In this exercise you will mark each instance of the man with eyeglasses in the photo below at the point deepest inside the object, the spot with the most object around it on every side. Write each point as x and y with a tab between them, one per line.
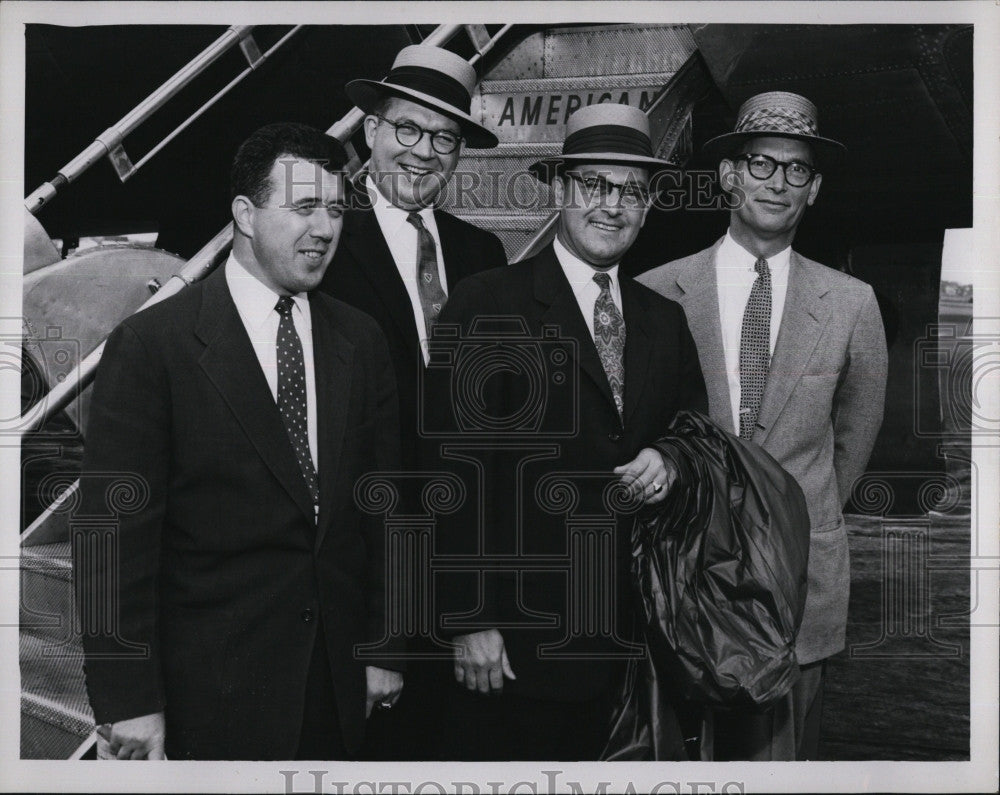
399	259
241	412
535	667
794	357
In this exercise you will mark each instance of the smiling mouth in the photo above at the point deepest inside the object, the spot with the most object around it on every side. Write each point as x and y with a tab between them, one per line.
312	253
415	171
769	203
605	227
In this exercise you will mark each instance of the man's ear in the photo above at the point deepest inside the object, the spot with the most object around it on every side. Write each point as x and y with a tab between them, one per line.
370	125
558	186
243	213
727	175
814	189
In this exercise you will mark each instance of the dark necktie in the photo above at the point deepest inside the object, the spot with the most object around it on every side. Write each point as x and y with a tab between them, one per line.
432	295
755	349
292	393
609	336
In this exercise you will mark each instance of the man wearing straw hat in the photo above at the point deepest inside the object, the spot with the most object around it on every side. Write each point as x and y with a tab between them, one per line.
527	688
399	257
794	358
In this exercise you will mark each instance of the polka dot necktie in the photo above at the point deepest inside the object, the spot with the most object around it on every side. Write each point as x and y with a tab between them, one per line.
292	393
755	349
432	295
609	336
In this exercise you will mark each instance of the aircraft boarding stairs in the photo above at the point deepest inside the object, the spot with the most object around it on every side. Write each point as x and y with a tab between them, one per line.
534	79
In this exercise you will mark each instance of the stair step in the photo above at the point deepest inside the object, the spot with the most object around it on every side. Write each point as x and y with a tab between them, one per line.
56	715
47	605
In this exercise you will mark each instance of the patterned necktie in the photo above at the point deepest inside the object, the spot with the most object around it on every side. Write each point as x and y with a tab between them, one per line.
755	349
432	295
292	393
609	336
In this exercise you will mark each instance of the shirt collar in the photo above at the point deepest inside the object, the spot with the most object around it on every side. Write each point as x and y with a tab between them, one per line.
392	218
732	255
254	299
578	272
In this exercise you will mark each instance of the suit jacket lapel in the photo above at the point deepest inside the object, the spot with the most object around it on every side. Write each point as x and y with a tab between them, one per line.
457	259
231	364
637	343
802	322
701	306
553	290
363	237
333	355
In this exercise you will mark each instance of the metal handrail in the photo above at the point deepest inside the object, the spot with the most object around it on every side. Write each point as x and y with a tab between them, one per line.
199	266
109	142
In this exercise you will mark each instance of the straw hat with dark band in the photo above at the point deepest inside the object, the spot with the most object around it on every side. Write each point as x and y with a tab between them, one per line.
775	114
604	133
429	76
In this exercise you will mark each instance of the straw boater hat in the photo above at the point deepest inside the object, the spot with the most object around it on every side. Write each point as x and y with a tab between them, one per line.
775	113
429	76
604	133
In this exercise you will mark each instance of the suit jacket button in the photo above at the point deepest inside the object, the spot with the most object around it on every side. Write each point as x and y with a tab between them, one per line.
614	436
307	615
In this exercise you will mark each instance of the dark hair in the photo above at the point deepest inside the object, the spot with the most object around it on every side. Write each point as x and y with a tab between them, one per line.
251	171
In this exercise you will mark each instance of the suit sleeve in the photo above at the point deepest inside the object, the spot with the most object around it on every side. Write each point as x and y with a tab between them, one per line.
118	527
384	414
859	401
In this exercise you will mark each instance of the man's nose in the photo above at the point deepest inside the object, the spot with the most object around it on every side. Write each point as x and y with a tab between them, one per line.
776	181
424	148
323	226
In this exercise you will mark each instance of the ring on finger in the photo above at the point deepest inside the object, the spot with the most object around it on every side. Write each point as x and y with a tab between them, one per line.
657	487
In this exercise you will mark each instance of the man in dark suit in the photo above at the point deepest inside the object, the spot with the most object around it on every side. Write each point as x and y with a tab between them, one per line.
400	257
794	357
536	660
398	260
244	409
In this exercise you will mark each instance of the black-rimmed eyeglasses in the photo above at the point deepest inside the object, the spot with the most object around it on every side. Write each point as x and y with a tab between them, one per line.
444	142
797	173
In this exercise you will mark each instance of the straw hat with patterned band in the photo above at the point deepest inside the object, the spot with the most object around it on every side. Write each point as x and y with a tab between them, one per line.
429	76
775	114
604	133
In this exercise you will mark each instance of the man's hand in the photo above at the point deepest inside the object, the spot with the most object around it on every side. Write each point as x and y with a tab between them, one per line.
649	475
481	661
136	738
384	687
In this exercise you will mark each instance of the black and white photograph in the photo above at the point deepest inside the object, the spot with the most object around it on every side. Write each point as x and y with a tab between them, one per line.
500	397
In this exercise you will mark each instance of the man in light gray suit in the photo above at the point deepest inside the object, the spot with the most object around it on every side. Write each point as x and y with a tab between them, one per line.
794	358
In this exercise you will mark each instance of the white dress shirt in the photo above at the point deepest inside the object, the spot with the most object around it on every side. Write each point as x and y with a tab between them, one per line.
581	278
735	275
255	303
401	236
